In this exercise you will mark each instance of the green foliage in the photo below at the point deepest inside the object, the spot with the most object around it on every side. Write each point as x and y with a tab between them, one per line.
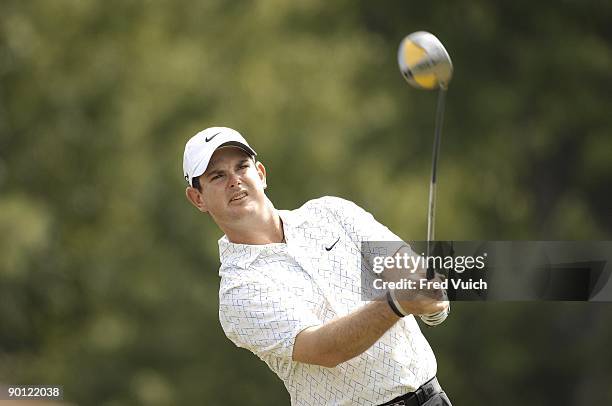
108	278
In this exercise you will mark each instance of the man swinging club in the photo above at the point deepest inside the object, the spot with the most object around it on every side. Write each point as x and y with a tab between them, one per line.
290	289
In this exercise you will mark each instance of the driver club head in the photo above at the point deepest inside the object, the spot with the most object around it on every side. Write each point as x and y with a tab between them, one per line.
424	62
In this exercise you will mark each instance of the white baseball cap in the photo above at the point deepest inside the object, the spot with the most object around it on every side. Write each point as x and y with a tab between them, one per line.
200	148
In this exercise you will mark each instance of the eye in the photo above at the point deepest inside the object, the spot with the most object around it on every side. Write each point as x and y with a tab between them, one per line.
215	177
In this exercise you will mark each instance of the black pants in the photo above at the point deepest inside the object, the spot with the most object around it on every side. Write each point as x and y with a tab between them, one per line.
429	394
438	400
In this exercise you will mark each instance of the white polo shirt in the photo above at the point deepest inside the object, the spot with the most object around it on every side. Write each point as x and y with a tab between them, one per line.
269	293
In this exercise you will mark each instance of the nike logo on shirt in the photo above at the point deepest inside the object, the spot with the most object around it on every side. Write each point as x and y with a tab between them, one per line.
333	245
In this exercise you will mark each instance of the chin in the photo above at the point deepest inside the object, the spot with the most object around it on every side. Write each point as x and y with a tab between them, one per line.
243	210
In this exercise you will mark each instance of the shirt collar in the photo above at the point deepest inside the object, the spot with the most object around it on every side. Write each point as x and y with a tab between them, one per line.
237	255
242	255
292	218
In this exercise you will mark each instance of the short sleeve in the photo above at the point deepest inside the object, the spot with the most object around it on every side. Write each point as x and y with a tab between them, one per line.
262	317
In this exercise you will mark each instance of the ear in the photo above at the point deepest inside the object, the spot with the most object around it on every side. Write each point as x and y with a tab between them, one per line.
261	170
196	198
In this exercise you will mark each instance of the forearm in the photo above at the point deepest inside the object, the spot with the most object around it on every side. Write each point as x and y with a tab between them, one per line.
346	337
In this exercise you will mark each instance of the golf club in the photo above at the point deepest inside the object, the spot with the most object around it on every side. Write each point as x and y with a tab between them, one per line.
425	64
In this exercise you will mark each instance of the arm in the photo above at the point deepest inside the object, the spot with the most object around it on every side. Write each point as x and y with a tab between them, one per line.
344	338
270	320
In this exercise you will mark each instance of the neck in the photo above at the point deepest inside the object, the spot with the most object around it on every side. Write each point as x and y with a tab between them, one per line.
265	229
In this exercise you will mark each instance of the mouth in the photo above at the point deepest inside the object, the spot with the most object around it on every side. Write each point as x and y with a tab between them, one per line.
239	197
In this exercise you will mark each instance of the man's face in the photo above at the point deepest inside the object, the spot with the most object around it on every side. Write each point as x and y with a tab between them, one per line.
232	187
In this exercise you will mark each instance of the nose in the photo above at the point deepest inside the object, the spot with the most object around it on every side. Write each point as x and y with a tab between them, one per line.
234	180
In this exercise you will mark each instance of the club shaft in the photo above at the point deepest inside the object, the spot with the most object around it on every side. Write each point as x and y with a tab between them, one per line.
431	210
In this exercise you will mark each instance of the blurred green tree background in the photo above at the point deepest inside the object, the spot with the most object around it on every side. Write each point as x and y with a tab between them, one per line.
108	277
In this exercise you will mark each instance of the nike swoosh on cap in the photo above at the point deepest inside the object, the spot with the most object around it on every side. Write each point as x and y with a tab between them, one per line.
213	136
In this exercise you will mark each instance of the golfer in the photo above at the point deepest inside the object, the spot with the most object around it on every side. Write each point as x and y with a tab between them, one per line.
291	291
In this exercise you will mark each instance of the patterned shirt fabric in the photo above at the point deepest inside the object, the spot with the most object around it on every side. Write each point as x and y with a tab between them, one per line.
269	293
